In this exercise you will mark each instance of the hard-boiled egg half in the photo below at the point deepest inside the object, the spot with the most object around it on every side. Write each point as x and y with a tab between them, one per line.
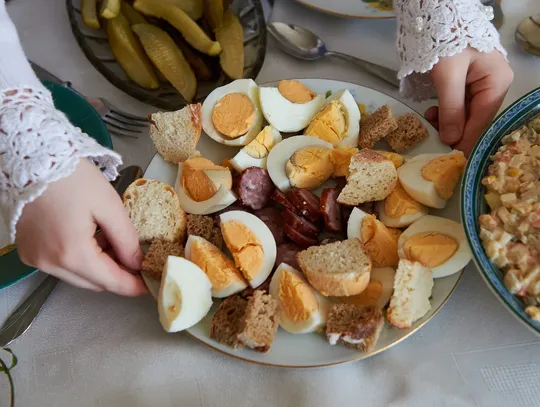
338	122
431	178
300	161
437	243
231	114
251	244
379	241
301	308
225	278
256	153
184	295
398	209
289	107
203	187
378	291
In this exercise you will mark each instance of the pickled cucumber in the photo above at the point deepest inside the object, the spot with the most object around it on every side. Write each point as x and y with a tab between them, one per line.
193	8
202	70
189	29
89	14
168	58
133	16
110	9
231	37
128	52
213	13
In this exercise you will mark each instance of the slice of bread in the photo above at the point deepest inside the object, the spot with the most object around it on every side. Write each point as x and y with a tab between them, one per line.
336	269
157	254
228	321
409	133
155	211
412	289
376	126
205	227
260	322
372	178
176	134
354	326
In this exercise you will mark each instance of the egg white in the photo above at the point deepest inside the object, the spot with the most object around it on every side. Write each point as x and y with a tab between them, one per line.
430	223
352	116
385	276
265	236
285	115
400	222
282	152
354	225
249	88
243	160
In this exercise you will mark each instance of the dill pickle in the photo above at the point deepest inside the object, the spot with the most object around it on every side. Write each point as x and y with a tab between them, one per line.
133	16
193	8
213	13
89	14
110	9
202	71
231	37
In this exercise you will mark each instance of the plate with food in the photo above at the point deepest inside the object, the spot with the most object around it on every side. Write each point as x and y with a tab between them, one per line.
374	9
314	222
501	207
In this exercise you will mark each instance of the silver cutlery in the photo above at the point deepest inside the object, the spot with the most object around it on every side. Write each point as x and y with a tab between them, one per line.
303	44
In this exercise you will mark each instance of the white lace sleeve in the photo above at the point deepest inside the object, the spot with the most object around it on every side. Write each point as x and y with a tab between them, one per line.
39	145
431	29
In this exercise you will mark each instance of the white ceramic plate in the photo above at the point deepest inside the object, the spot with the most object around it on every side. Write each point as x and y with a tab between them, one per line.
312	350
350	8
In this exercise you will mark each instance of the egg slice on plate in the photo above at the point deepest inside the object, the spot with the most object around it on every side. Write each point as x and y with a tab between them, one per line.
256	153
184	295
225	278
378	291
437	243
289	107
398	209
431	178
203	187
338	122
311	165
231	114
301	308
251	244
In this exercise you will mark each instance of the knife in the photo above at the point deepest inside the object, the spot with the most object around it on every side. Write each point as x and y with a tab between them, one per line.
21	319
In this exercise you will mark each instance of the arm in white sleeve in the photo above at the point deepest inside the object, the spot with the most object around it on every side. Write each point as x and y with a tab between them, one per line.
431	29
38	144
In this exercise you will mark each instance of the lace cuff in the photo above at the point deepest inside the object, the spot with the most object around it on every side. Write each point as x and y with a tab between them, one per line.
39	145
431	29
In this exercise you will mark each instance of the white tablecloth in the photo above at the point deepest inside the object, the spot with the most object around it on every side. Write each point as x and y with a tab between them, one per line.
100	350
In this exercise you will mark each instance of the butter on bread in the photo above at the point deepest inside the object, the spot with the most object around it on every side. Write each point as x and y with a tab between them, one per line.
155	258
410	132
376	126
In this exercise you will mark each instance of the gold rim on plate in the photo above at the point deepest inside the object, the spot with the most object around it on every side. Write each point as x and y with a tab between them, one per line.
333	13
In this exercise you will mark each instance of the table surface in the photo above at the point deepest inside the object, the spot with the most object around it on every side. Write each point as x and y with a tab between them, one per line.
101	350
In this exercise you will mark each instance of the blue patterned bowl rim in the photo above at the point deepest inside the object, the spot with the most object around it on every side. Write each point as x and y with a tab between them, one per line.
472	195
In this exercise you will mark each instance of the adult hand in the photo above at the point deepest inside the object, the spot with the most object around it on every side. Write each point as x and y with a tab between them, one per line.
471	86
56	234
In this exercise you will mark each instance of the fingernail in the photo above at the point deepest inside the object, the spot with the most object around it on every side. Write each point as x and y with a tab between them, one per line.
450	134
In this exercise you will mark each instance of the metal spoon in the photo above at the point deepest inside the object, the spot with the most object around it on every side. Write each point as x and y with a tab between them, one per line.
303	44
528	34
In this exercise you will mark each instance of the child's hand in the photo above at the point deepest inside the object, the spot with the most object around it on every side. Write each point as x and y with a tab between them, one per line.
56	234
471	87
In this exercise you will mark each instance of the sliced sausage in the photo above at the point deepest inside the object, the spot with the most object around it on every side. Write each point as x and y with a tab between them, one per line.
345	215
254	188
280	198
367	207
248	292
331	210
286	253
300	223
273	219
298	238
306	202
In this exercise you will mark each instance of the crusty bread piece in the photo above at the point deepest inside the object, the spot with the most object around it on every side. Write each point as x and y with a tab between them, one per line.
372	178
157	254
260	322
412	289
228	321
336	269
176	134
376	126
354	326
205	227
155	211
409	133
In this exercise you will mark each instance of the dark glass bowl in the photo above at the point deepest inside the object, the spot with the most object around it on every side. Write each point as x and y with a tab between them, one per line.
96	48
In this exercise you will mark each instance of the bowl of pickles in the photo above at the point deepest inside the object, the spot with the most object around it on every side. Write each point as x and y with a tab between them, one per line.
169	53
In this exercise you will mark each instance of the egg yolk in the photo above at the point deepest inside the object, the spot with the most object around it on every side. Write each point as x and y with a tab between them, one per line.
295	92
330	124
400	203
370	296
379	242
233	115
296	297
430	248
396	159
195	182
309	167
342	159
262	144
396	233
245	247
445	172
220	270
363	109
